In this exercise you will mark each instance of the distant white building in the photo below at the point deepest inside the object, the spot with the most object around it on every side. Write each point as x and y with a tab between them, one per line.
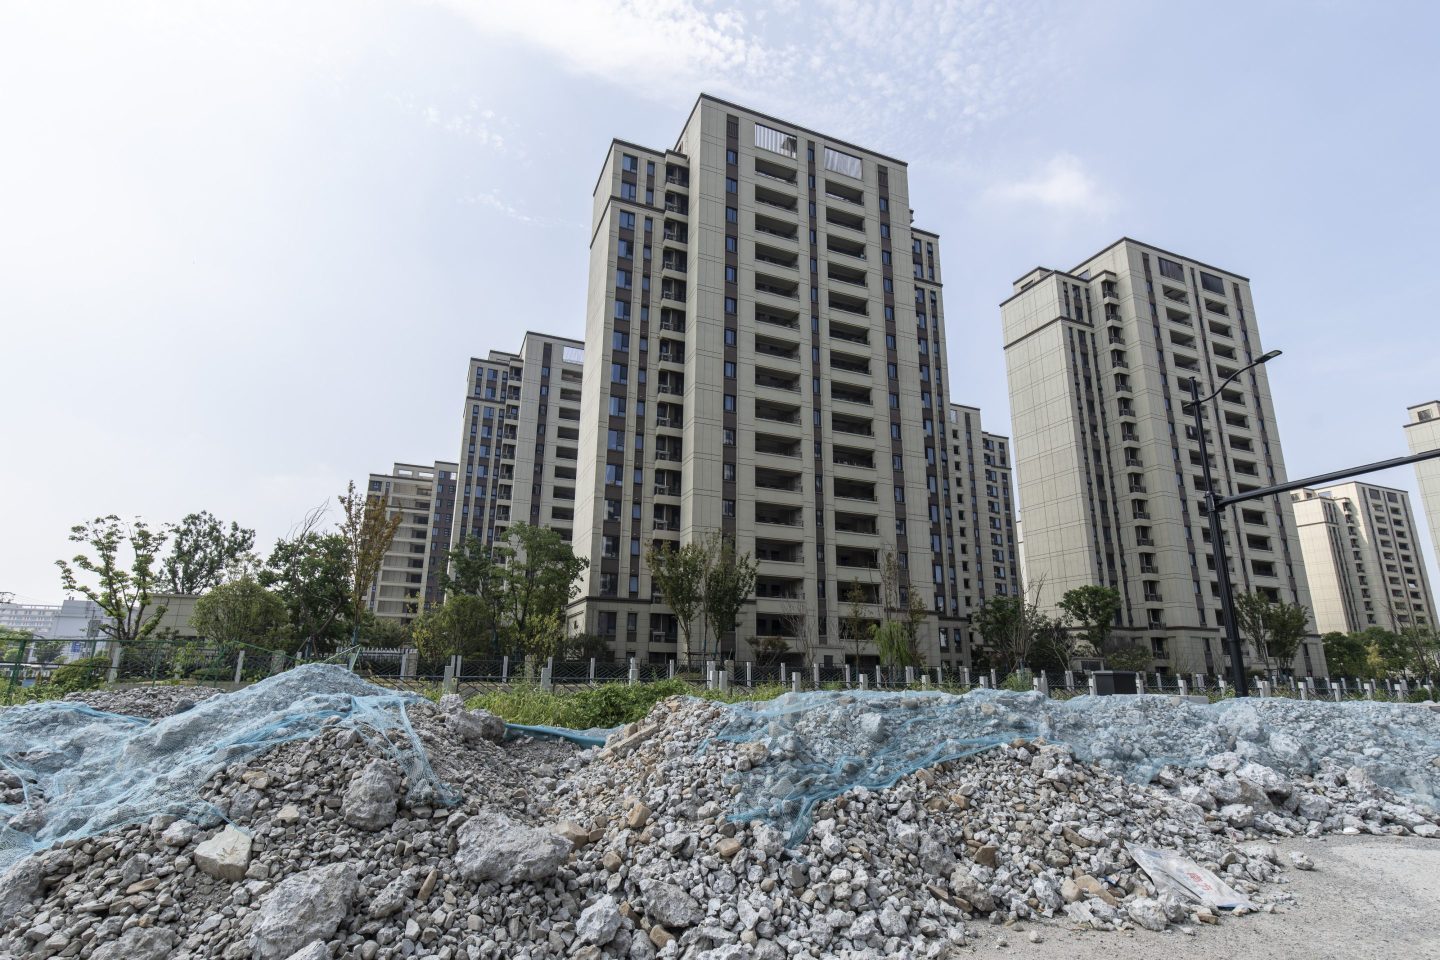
76	623
36	618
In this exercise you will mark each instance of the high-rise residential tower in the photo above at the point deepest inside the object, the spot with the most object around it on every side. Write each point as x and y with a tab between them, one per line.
1362	558
519	440
984	510
1098	359
409	575
1423	434
765	355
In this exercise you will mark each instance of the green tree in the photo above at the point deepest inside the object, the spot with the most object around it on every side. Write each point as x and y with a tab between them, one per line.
729	582
368	528
310	573
46	651
1346	654
1285	623
893	645
1094	609
461	626
13	643
123	589
473	571
678	574
1424	644
540	581
855	603
240	611
202	551
769	650
1252	617
1007	629
1385	649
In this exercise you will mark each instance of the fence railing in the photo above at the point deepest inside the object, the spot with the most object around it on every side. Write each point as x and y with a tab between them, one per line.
35	668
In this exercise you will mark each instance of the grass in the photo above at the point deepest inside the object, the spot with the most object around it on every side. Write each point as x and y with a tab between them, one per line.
610	705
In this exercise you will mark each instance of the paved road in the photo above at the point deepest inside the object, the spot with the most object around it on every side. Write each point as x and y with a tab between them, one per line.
1368	898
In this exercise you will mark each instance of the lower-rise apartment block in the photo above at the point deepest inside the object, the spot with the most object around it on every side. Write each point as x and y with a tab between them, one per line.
1363	559
1099	359
409	576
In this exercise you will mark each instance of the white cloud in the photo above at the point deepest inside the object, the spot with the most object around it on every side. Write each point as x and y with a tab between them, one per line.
910	74
1062	185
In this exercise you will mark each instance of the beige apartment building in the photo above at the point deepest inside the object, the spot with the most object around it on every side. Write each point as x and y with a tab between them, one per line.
1098	359
765	352
1363	561
520	440
409	575
1423	434
984	511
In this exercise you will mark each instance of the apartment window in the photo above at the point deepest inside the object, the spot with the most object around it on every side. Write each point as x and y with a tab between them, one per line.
729	338
629	164
613	474
731	245
617	406
619	340
615	440
729	437
731	307
727	508
622	309
607	585
732	215
609	546
1171	269
622	279
730	277
731	185
729	370
627	220
618	373
627	192
612	509
727	472
731	156
625	249
1212	283
729	403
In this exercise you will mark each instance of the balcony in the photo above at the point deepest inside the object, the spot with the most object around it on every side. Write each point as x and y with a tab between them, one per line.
853	457
848	394
851	425
849	363
777	412
839	274
776	228
773	515
844	218
1175	296
777	318
776	349
777	380
779	480
856	523
849	333
776	257
847	304
777	551
856	558
776	446
773	198
854	490
777	287
774	171
845	246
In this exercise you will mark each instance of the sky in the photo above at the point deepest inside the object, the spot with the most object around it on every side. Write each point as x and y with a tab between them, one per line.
246	248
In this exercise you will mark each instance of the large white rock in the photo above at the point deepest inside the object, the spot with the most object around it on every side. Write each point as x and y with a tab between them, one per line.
669	905
138	943
373	797
304	908
599	923
225	856
494	847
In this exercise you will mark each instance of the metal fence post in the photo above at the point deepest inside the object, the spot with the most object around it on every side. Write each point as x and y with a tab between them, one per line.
815	673
634	671
672	668
239	667
504	669
592	669
749	673
847	674
879	677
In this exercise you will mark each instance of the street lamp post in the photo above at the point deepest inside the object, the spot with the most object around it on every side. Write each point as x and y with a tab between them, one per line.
1212	513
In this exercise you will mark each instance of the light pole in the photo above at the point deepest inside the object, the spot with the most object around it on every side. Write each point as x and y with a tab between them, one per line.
1217	543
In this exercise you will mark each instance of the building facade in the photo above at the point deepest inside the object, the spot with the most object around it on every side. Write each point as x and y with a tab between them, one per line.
765	357
1423	435
519	440
1098	360
984	511
1363	559
409	576
34	618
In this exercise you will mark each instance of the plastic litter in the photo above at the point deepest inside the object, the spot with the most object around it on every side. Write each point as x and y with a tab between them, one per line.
1183	877
85	772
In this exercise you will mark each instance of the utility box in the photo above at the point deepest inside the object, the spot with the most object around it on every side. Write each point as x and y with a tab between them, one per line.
1110	682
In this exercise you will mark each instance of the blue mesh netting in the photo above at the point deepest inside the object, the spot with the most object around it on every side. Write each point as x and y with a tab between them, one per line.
86	772
822	744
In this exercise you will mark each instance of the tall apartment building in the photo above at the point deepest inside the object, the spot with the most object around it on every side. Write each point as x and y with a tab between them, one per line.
765	356
1362	560
1423	434
1098	359
409	575
520	438
984	511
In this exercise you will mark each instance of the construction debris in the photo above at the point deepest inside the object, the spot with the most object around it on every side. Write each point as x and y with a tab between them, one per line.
820	825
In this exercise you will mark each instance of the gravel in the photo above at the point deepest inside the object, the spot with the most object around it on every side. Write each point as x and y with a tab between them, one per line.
633	850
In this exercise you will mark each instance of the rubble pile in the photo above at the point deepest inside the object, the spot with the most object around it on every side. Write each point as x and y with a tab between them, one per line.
821	825
149	703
